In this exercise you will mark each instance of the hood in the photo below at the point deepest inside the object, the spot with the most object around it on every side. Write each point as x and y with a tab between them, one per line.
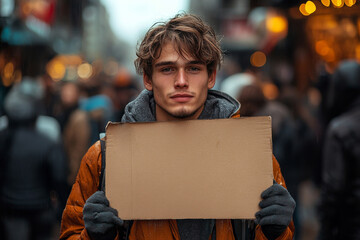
217	105
23	102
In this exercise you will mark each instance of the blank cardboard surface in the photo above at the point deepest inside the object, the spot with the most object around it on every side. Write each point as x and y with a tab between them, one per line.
188	169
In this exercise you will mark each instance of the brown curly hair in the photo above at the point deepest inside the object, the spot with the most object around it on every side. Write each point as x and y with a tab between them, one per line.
191	37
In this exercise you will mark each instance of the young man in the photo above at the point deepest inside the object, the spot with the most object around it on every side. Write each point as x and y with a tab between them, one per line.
178	60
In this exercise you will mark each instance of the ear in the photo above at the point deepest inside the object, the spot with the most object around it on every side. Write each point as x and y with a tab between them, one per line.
147	82
211	80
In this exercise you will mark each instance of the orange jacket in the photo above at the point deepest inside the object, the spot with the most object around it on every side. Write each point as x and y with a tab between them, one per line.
87	182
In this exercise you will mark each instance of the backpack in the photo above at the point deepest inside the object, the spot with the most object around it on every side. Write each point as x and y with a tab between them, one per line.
242	229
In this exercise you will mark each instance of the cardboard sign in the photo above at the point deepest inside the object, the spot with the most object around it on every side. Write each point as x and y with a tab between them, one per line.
188	169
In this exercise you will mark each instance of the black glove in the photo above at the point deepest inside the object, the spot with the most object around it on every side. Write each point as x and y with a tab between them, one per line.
101	221
277	208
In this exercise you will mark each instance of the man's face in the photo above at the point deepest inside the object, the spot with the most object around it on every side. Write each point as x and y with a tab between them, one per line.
180	85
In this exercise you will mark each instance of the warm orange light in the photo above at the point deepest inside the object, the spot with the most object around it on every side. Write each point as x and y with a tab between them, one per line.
302	10
337	3
69	59
357	52
270	91
8	74
8	71
56	69
276	24
350	3
322	48
310	7
258	59
85	70
326	3
330	56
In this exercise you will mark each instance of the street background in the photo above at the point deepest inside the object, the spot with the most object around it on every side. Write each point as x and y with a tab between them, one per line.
279	56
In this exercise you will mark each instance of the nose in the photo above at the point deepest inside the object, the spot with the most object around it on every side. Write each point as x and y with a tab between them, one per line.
181	80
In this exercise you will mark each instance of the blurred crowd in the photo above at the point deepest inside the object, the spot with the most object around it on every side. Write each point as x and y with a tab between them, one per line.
46	127
315	139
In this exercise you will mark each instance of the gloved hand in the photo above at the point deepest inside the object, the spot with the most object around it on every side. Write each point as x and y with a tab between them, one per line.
277	208
100	219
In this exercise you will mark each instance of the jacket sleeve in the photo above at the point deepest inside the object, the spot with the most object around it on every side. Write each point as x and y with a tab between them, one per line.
86	183
289	232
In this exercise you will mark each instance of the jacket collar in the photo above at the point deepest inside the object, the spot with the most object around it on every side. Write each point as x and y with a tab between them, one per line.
218	105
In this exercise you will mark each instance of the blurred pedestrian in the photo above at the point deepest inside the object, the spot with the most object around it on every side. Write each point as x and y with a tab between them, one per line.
32	169
75	126
340	197
126	90
98	107
178	60
254	103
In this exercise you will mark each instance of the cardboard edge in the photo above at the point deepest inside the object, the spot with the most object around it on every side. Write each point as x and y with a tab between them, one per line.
115	124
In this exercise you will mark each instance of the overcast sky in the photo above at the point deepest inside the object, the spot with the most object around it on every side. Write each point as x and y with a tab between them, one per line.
130	19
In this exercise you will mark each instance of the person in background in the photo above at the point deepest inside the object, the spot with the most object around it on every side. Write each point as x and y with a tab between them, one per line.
98	106
294	143
178	60
75	128
33	167
340	197
126	90
45	124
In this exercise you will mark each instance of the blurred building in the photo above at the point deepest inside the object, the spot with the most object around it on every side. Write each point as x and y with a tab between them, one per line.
66	40
293	41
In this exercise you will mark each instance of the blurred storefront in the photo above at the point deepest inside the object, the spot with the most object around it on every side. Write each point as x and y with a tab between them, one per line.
26	39
64	40
292	47
292	41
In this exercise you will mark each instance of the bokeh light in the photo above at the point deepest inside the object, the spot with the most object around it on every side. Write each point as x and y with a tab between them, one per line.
270	91
322	47
326	3
56	69
310	7
302	10
8	74
276	24
350	3
337	3
258	59
85	70
8	70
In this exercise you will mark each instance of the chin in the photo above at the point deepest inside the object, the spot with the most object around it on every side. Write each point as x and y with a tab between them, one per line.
183	113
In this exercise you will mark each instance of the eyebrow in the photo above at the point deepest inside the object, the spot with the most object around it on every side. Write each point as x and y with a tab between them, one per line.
159	64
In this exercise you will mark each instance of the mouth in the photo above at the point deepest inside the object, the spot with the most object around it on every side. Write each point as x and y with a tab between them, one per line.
181	97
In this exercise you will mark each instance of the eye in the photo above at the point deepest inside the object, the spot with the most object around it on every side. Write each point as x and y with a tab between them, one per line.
194	69
166	69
